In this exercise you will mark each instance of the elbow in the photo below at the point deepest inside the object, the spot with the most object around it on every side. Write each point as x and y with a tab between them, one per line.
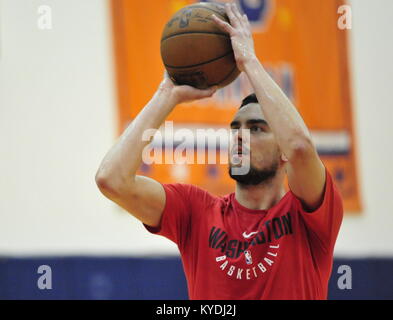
114	186
301	148
106	185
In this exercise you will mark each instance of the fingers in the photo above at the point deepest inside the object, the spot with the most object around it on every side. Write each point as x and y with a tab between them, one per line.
187	93
225	26
207	92
237	20
236	12
233	14
246	21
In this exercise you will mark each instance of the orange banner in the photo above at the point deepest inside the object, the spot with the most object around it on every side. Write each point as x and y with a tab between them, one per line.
302	47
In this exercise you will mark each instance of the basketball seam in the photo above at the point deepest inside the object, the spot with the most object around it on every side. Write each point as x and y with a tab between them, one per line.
199	64
226	77
193	32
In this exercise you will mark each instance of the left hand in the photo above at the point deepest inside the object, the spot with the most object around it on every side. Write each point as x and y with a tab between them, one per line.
183	93
240	32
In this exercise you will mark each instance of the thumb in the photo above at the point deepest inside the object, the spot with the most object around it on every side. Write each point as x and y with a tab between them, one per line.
187	93
207	92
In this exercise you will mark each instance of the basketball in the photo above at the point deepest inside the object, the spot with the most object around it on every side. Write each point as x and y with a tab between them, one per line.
195	51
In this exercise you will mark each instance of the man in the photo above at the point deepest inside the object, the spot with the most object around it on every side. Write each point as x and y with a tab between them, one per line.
258	242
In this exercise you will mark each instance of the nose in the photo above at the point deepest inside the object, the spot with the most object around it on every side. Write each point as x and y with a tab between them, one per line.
241	140
237	136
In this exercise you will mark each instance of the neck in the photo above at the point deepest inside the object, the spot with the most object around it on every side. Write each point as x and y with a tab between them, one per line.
262	196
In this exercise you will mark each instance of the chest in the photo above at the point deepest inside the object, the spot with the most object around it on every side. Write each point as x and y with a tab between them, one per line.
248	247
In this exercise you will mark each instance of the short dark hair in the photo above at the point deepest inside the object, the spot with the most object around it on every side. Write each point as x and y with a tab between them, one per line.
251	98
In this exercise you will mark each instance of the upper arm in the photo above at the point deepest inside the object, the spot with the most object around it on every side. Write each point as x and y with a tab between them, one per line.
306	176
144	198
318	202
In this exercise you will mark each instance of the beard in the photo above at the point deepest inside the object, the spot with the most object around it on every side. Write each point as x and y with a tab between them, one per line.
254	176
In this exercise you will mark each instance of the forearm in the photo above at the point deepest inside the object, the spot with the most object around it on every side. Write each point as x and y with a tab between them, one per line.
282	116
125	157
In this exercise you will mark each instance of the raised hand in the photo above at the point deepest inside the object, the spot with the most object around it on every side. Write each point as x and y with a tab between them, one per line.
239	30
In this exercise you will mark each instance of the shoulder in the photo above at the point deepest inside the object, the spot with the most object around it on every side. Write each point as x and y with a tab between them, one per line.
331	197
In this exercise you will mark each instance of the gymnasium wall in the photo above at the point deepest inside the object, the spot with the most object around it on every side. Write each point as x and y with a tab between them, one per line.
58	119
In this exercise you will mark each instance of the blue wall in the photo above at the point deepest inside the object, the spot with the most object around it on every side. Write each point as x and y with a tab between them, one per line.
137	278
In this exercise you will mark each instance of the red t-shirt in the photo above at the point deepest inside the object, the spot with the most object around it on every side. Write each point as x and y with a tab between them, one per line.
232	252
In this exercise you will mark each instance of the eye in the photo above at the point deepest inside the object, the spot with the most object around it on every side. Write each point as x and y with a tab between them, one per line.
256	129
235	128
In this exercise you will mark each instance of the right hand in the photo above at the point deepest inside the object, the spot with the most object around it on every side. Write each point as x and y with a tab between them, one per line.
184	93
241	35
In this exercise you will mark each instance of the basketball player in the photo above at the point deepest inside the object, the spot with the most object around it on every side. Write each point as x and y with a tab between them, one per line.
258	242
